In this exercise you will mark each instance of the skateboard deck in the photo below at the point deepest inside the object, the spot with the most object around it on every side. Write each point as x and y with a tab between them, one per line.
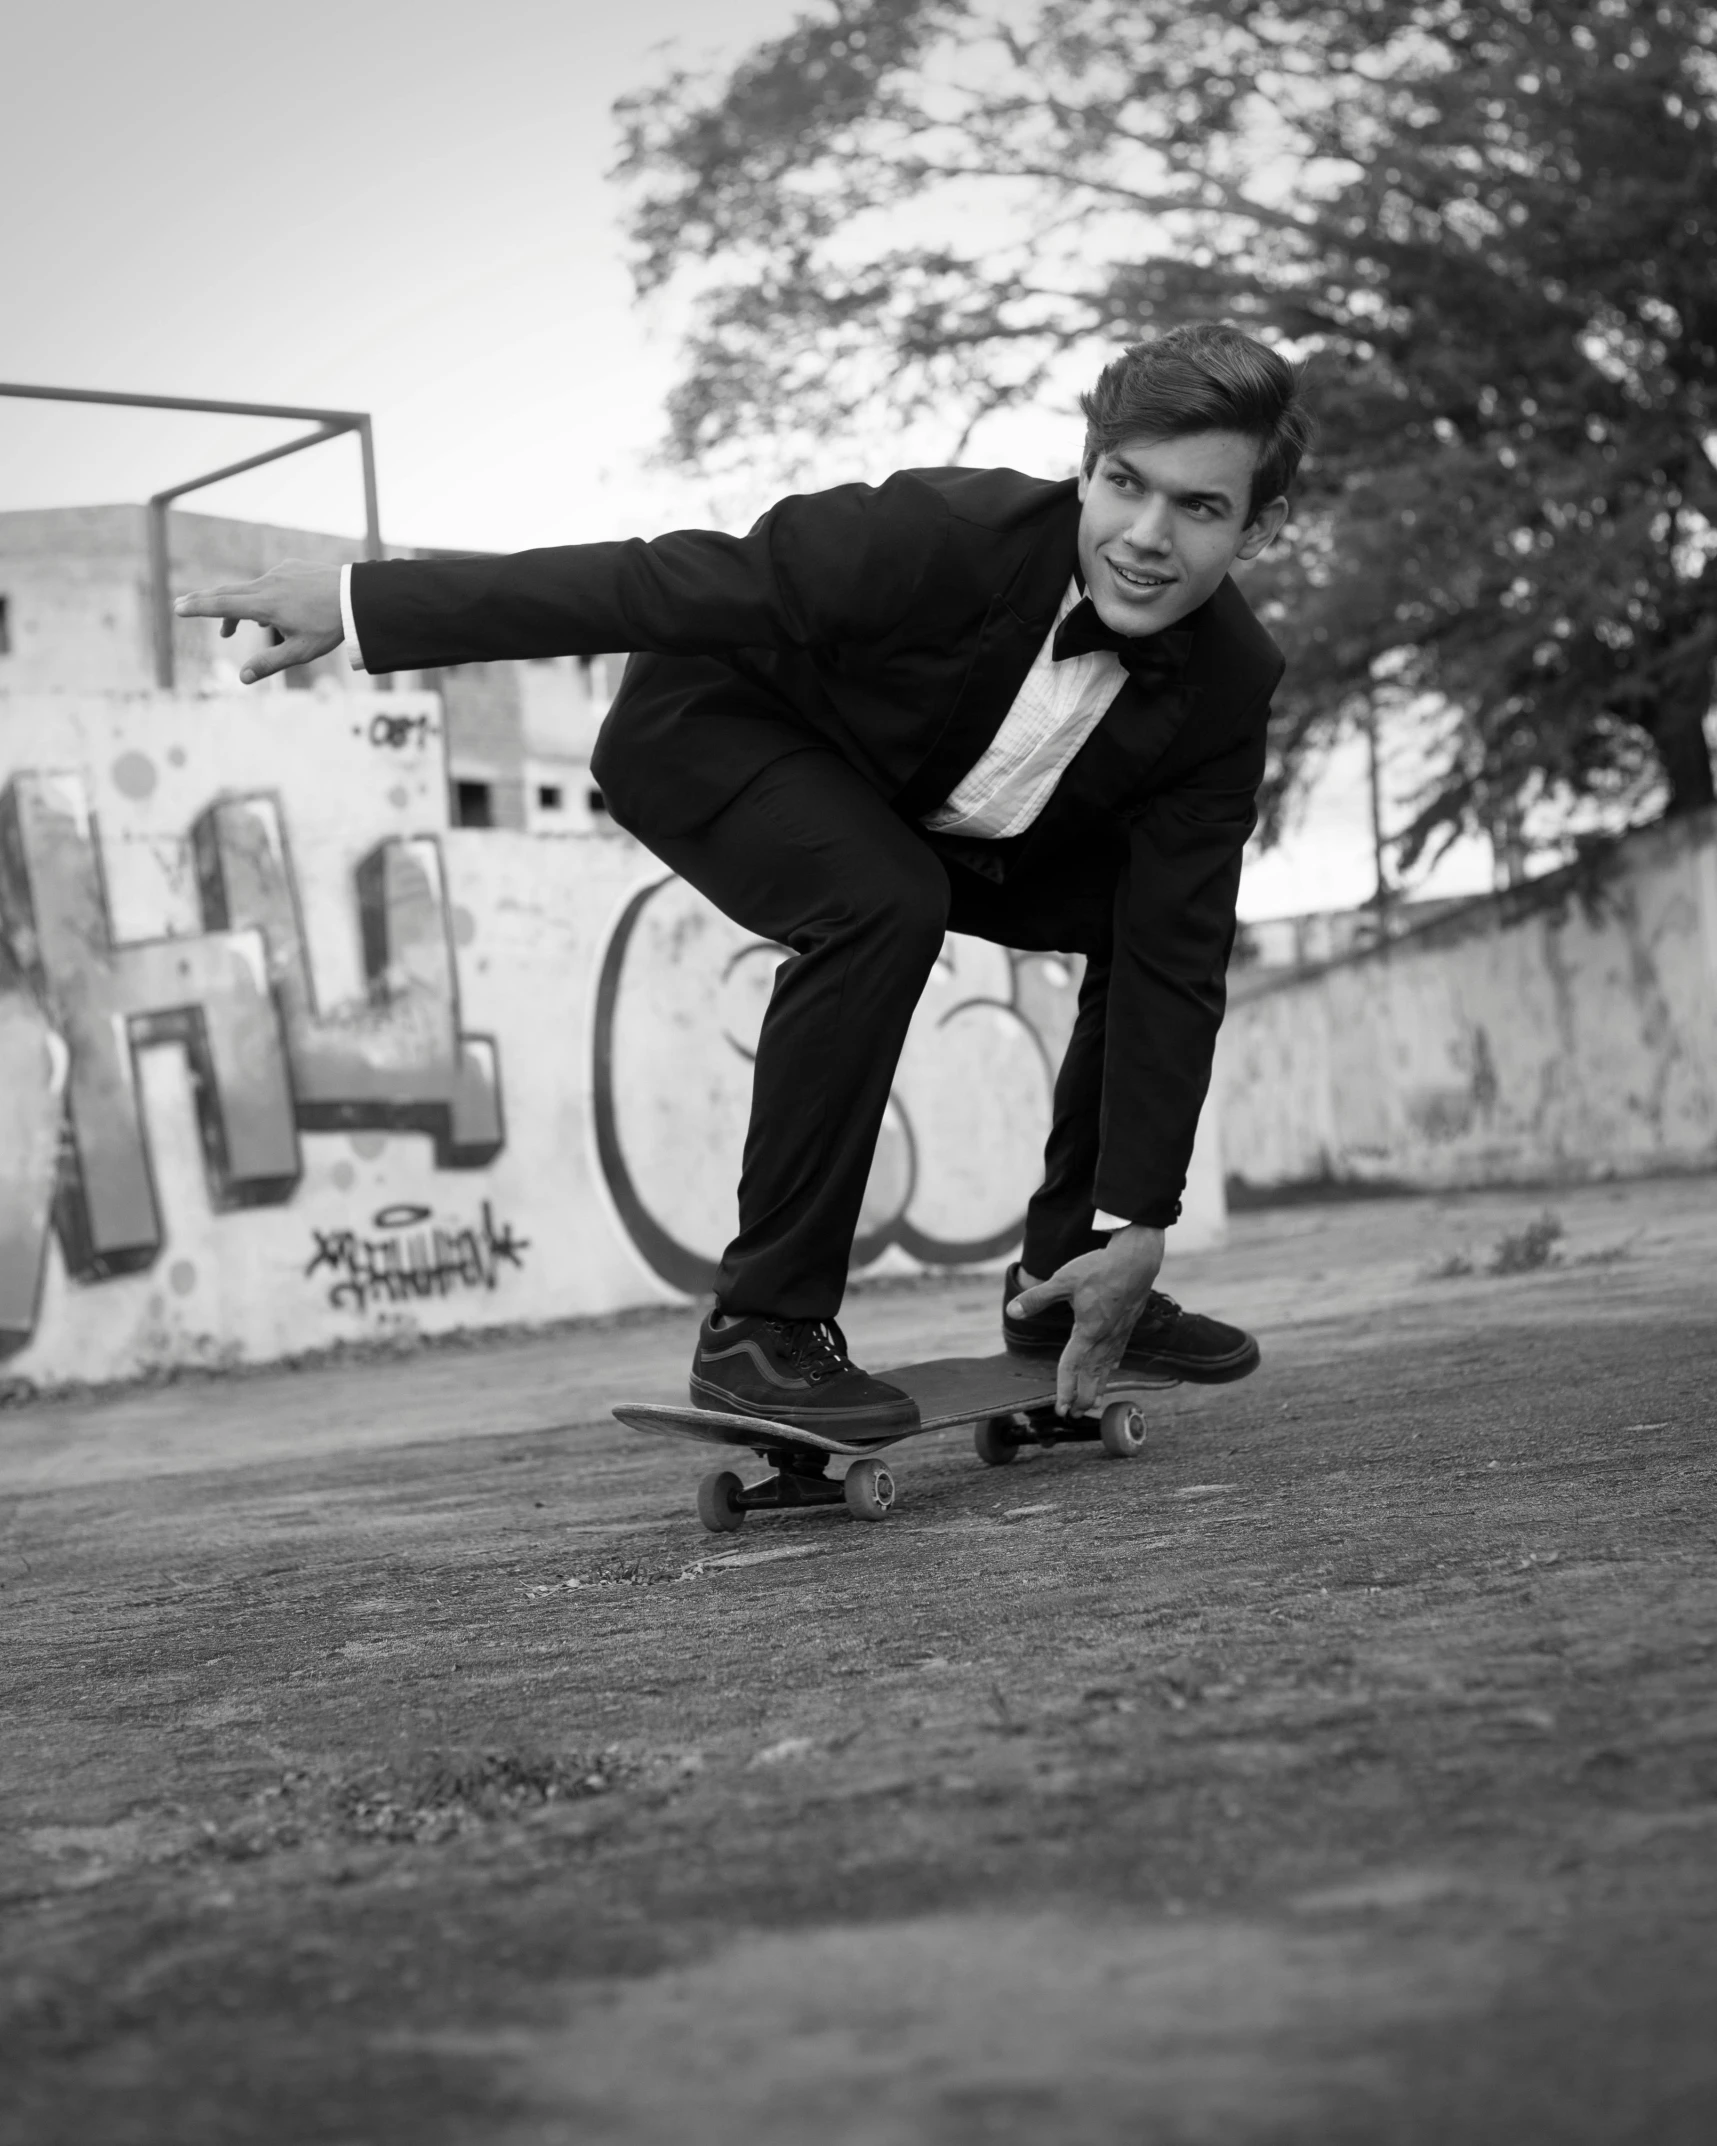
1008	1400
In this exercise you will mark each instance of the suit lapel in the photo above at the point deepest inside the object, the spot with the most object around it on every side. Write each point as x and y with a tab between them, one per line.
1012	633
1138	727
1228	663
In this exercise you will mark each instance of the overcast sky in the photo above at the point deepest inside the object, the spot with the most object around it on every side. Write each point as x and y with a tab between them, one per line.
389	205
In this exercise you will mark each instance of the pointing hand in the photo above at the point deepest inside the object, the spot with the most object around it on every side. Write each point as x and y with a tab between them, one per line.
298	601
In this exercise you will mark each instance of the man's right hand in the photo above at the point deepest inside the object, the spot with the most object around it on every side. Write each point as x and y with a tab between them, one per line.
299	601
1107	1290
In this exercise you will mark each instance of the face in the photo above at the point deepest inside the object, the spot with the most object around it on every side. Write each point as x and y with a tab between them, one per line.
1161	522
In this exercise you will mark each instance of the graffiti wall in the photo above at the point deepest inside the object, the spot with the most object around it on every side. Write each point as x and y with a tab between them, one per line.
285	1060
1555	1034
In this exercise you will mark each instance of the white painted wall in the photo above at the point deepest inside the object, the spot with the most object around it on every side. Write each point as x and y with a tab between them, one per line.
1545	1035
606	1009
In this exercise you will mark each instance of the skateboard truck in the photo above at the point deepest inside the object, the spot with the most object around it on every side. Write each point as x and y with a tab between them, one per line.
1120	1430
801	1479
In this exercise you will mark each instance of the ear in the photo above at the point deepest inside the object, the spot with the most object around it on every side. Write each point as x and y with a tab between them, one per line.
1263	529
1085	476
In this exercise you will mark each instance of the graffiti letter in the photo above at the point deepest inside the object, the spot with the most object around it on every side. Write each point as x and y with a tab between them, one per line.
210	994
679	1004
398	1061
501	1245
32	1091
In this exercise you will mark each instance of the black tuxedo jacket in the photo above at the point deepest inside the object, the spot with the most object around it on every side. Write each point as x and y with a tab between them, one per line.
896	623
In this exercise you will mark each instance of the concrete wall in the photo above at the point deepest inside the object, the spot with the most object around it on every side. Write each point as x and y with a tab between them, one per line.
75	581
1560	1032
285	1060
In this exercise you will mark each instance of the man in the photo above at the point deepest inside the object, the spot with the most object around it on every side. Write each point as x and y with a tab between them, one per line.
963	700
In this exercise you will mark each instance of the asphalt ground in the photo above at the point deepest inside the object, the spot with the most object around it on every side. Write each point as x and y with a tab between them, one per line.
389	1755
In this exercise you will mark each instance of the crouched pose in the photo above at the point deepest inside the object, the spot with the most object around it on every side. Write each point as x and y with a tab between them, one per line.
961	700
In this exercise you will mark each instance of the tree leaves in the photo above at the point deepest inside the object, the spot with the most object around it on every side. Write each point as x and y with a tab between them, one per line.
1487	227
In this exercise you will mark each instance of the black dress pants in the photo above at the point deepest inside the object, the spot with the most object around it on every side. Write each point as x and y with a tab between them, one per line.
809	855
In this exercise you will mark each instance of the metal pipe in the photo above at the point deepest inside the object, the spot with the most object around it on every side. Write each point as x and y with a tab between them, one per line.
160	595
346	419
372	501
237	469
330	425
160	558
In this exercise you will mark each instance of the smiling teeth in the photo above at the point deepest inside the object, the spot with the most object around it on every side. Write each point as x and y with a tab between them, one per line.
1140	581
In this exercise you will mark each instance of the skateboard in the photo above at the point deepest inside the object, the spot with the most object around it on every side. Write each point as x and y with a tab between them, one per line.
1008	1400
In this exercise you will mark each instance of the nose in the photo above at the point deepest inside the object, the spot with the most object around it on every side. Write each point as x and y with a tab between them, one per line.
1149	528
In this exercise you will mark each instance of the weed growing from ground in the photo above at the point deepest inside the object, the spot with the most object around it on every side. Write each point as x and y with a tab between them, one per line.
1521	1251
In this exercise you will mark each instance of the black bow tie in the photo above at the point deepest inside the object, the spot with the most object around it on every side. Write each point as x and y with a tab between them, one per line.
1148	655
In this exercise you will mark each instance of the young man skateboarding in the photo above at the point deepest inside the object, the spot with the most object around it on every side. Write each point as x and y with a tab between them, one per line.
962	700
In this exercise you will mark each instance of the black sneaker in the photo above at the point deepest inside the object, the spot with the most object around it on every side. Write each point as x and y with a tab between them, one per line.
1185	1344
798	1371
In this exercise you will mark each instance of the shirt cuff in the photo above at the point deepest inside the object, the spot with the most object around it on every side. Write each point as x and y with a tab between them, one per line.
1102	1221
354	654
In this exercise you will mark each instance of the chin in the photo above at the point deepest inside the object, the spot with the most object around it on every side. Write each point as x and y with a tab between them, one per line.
1136	617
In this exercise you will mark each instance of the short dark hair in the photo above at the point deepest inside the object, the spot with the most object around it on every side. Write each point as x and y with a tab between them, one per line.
1208	377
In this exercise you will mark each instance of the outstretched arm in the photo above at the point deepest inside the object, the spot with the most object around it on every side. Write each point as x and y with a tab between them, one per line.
298	601
817	570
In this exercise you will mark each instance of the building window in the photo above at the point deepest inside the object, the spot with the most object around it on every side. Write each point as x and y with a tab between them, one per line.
548	797
597	802
5	628
473	804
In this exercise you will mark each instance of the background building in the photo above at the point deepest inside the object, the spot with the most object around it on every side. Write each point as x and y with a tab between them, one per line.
74	615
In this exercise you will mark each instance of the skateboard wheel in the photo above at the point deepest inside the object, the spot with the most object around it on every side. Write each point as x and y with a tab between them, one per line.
996	1441
868	1489
718	1506
1122	1430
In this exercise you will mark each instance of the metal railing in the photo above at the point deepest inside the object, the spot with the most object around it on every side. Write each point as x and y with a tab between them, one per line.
330	424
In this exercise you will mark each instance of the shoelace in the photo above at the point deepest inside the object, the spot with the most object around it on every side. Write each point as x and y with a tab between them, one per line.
815	1348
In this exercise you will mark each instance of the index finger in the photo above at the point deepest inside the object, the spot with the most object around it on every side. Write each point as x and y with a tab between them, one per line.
1037	1296
235	602
1067	1376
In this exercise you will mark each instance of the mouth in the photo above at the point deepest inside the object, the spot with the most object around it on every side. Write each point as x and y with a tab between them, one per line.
1139	578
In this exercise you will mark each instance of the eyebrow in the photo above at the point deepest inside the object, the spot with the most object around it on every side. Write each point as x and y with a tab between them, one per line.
1211	494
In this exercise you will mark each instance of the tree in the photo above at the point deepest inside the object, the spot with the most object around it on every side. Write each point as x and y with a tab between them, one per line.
1489	229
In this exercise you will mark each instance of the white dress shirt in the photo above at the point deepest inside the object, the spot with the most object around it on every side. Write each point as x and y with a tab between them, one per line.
1055	710
354	654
